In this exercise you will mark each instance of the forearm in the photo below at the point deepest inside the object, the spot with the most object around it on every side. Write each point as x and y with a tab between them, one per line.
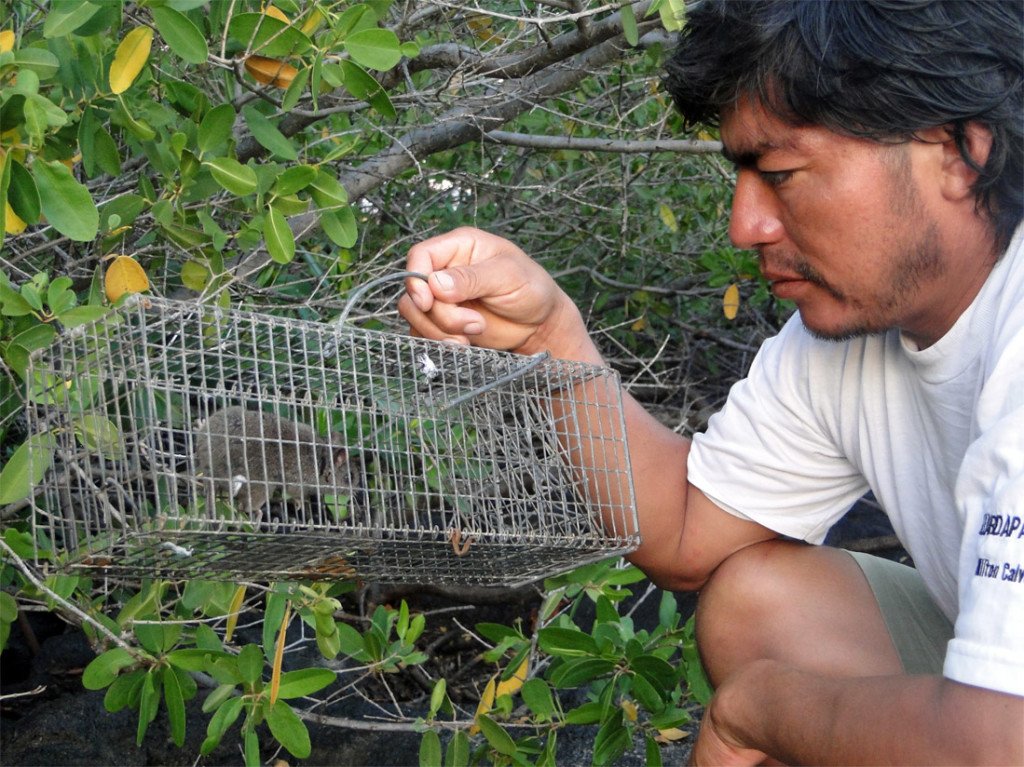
805	718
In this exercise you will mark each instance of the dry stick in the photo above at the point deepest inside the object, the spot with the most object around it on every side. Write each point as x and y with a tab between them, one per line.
23	566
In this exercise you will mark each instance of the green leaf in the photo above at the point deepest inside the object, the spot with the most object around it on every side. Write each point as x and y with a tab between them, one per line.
175	706
217	697
537	696
288	729
629	27
26	468
267	134
565	642
251	749
182	36
268	36
22	194
374	48
363	85
38	60
157	638
647	694
612	740
233	176
279	237
327	191
496	736
437	696
430	749
103	669
668	610
215	128
124	691
670	717
149	702
652	752
82	315
35	337
66	204
578	671
12	304
250	664
340	226
693	668
295	89
497	632
221	720
294	179
295	684
8	608
194	658
352	642
98	433
65	16
458	751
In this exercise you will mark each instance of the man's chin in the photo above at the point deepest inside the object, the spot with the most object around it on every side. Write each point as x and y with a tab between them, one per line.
838	332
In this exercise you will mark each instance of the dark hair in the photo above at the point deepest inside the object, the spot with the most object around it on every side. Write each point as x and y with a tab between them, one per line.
878	69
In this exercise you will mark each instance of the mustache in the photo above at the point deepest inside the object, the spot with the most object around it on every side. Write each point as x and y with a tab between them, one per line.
791	262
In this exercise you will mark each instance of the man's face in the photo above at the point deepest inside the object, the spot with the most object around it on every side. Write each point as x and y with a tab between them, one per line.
844	227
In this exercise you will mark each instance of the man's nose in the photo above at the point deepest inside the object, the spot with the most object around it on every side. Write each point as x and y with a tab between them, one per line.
755	216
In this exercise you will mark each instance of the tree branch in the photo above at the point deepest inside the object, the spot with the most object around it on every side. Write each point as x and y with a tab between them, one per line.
685	146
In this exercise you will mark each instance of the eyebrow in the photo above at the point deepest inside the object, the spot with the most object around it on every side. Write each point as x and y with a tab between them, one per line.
748	158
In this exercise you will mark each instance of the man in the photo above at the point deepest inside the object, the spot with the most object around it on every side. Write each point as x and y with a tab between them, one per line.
878	149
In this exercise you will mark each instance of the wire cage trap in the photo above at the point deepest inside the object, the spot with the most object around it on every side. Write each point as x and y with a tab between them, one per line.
189	441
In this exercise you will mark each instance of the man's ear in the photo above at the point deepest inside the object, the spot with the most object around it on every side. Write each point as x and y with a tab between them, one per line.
959	174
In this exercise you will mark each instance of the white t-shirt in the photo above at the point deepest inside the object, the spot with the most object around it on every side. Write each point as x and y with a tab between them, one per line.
937	435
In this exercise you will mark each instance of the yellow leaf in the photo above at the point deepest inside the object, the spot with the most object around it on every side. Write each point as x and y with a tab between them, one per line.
512	685
275	672
629	707
270	71
668	218
125	275
486	701
276	13
12	221
639	325
131	56
313	20
6	41
731	301
233	610
672	733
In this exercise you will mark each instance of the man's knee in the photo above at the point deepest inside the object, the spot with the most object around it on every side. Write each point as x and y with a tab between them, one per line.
809	605
739	604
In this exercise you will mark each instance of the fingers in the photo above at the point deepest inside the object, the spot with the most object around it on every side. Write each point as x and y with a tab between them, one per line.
437	325
462	265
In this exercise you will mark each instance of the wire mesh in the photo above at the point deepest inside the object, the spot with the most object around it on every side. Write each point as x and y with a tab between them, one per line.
189	441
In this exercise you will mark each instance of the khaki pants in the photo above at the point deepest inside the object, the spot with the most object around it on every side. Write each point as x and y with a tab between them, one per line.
918	628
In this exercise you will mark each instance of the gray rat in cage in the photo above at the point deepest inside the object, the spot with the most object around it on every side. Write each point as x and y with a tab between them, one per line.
252	456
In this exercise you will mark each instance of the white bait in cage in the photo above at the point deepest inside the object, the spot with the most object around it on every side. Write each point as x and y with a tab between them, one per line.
189	441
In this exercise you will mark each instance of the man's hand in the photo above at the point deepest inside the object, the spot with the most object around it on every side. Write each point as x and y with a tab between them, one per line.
484	290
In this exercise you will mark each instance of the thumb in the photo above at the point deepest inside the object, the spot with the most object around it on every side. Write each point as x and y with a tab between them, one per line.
487	279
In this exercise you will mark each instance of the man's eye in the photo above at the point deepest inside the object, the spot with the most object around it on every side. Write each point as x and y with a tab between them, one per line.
775	177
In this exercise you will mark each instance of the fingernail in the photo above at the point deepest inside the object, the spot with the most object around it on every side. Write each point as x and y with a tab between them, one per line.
473	328
444	280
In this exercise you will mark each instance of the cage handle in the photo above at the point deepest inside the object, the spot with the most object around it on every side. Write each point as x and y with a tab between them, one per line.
532	362
362	290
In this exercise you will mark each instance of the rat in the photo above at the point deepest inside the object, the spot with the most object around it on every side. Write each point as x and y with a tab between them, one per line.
265	454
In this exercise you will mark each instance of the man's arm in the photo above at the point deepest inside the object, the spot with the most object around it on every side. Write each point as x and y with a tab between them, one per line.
802	717
482	289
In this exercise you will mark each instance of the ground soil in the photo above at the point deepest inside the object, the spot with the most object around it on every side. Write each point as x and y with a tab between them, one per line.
60	723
